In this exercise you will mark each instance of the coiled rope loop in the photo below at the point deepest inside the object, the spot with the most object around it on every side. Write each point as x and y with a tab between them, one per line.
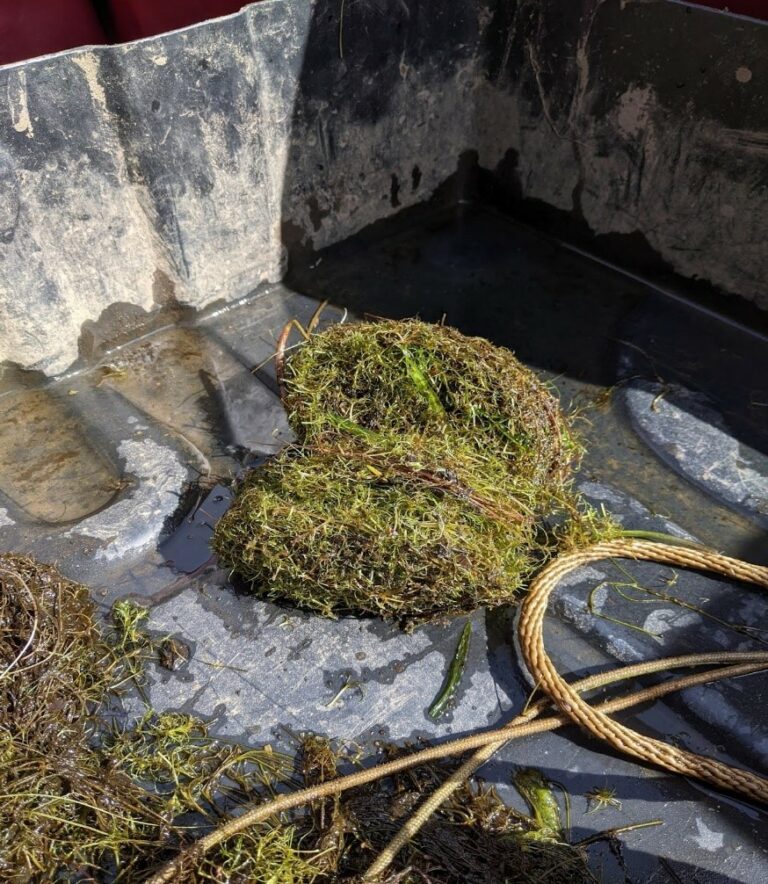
599	724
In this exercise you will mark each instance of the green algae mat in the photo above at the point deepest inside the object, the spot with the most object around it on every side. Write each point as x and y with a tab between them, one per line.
427	469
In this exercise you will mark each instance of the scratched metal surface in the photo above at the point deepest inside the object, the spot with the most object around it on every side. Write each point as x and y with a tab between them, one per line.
101	472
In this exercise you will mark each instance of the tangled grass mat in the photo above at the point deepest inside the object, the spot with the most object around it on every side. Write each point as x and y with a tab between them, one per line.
425	468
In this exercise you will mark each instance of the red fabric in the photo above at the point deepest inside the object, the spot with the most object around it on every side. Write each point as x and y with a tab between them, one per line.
755	8
142	18
29	28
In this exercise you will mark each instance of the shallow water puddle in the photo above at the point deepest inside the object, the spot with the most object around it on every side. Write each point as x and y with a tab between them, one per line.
49	466
177	377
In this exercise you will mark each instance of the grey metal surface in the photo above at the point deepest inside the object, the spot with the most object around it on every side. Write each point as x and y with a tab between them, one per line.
163	417
639	129
142	181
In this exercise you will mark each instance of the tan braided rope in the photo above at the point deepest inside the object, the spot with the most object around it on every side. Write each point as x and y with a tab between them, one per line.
423	813
598	723
596	720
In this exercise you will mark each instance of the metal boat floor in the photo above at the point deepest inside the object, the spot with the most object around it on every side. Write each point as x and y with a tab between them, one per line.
108	472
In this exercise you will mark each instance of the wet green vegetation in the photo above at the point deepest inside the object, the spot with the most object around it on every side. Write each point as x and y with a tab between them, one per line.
473	837
431	476
80	796
88	796
426	467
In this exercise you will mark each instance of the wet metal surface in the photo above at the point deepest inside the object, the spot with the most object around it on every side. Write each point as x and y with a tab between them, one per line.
49	467
188	548
673	414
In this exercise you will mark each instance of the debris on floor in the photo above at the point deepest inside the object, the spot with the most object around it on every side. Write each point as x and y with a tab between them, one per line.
83	795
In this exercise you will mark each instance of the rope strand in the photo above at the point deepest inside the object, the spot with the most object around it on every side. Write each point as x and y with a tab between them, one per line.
597	722
745	663
538	596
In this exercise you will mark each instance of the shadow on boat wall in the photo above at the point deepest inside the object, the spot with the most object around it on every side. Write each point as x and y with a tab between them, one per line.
184	170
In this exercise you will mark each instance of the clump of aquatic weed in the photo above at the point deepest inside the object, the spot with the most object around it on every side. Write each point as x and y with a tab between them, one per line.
51	652
198	780
398	379
61	808
586	525
260	855
330	536
187	768
81	800
426	462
